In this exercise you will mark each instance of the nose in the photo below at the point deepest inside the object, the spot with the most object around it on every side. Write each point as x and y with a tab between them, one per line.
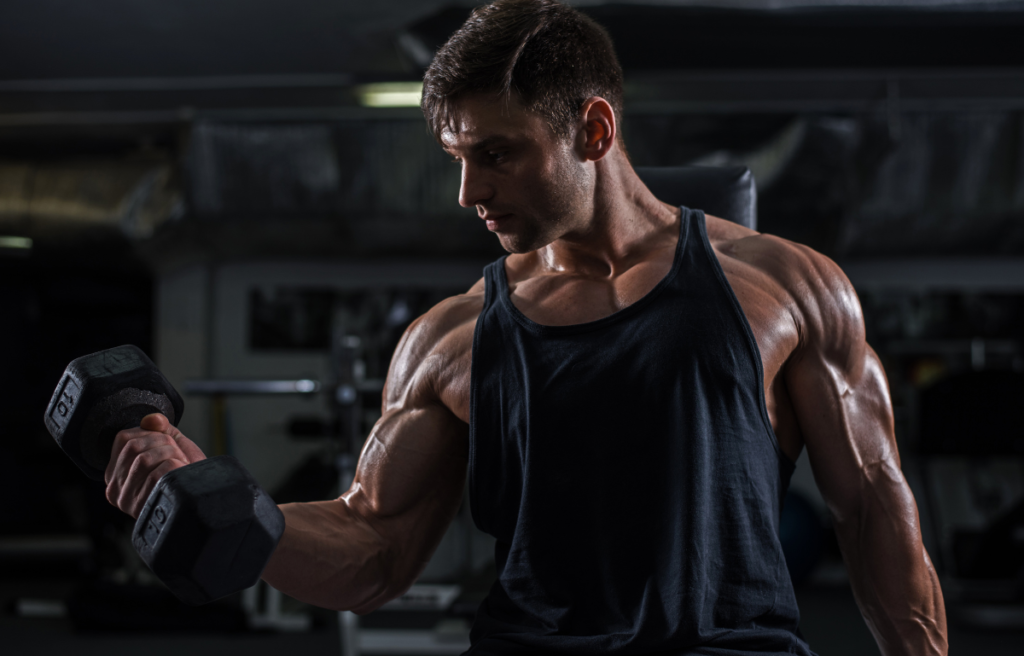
475	189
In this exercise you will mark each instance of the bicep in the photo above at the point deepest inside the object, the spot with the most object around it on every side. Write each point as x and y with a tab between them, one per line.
409	483
412	470
414	461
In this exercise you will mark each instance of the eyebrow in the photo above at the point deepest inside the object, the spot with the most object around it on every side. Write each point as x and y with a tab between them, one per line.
483	144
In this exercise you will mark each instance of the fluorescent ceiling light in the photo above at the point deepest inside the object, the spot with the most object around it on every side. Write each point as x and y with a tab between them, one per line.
390	94
15	242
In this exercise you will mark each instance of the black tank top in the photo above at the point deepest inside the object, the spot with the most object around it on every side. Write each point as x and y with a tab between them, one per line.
629	472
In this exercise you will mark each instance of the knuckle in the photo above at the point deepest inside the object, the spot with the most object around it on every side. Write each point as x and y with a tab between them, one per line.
155	475
135	468
133	447
148	459
167	467
125	437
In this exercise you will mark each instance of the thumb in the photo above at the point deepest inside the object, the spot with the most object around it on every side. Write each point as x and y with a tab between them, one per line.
158	423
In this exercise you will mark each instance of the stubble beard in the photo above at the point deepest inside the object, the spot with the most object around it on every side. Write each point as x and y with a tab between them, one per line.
563	204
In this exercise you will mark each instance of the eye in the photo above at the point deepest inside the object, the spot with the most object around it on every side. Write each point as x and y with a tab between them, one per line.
497	155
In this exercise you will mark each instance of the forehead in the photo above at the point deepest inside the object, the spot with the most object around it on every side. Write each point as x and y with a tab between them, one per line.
477	118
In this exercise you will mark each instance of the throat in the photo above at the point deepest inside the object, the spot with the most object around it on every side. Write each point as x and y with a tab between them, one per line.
568	283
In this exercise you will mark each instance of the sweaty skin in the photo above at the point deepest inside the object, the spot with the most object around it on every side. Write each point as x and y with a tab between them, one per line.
588	239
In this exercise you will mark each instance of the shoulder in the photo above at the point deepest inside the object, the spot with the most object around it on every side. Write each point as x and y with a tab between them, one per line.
809	285
432	360
444	321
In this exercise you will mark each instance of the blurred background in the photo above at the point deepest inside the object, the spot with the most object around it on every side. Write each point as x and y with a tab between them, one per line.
247	191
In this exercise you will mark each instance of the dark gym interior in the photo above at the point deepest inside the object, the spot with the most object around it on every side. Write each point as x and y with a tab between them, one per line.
247	192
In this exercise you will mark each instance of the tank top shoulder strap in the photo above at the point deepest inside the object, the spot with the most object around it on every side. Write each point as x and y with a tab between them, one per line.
689	249
690	230
495	282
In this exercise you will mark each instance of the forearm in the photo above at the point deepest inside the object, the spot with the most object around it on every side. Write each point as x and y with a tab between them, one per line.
331	557
892	577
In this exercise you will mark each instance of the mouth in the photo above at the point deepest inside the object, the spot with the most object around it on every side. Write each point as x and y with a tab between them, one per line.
495	222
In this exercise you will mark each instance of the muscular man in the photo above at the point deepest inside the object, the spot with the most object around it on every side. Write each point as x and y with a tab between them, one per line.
627	391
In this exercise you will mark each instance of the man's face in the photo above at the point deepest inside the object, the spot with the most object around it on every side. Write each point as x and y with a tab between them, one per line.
528	184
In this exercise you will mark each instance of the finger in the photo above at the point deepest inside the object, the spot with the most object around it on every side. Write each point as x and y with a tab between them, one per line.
192	452
135	478
148	445
134	500
120	441
150	423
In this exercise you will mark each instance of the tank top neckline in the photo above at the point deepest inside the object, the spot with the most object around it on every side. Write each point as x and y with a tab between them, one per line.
505	299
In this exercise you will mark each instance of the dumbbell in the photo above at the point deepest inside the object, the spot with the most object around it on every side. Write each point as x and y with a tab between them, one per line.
207	529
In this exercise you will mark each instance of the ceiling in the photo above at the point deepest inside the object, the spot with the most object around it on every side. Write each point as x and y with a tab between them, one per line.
56	39
103	39
114	79
120	62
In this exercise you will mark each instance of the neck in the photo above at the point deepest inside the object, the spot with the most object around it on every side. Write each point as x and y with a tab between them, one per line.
625	225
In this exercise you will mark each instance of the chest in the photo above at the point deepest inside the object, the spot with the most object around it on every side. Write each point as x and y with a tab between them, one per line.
558	300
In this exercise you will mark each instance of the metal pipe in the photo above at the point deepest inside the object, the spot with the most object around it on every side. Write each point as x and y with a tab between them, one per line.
216	387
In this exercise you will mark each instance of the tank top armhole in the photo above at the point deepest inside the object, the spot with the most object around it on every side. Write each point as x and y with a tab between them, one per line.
493	278
753	350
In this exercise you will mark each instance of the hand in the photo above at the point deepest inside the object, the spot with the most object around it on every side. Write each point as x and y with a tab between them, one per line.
141	456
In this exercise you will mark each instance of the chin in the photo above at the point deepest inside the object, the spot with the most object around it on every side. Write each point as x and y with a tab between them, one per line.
519	244
524	237
512	246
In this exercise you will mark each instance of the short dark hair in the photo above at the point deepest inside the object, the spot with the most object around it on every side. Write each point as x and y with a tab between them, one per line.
548	55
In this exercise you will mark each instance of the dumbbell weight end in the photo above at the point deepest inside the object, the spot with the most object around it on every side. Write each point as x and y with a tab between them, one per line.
119	387
208	529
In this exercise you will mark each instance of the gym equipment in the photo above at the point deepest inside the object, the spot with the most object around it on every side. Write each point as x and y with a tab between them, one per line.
207	529
800	533
727	192
101	394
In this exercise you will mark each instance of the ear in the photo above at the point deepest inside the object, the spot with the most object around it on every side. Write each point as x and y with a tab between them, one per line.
597	133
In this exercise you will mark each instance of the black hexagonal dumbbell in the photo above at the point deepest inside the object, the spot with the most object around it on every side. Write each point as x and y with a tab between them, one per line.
207	529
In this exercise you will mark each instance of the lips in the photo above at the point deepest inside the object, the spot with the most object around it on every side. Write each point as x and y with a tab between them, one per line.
494	221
